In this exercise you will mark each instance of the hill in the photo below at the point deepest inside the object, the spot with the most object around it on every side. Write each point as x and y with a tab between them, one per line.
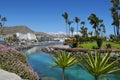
15	29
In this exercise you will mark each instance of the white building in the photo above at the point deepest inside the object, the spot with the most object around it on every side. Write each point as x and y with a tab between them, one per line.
22	32
27	36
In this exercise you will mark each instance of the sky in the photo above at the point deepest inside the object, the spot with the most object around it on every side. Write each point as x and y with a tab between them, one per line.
45	15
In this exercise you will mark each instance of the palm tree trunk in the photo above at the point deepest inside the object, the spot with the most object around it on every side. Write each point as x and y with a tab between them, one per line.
77	28
69	30
63	74
66	29
96	77
117	29
114	31
72	34
96	32
118	32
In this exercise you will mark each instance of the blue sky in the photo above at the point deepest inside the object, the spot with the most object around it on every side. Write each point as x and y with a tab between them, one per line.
45	15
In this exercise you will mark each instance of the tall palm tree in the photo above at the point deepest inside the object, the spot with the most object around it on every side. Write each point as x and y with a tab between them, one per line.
103	30
83	29
64	60
90	33
72	30
69	23
94	20
101	27
115	2
83	23
3	19
77	20
0	25
115	15
99	64
65	16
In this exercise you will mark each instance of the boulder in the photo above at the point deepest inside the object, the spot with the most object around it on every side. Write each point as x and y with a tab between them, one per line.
5	75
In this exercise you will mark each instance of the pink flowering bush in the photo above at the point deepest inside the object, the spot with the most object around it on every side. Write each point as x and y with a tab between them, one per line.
16	62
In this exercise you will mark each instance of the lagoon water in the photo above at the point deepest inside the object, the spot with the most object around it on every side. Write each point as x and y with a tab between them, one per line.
42	64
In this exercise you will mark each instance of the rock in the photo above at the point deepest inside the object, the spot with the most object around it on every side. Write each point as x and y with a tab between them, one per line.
4	75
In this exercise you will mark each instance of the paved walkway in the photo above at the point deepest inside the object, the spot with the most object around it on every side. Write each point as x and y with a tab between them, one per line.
60	46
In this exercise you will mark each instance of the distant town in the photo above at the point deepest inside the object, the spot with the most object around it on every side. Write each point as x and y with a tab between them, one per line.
23	35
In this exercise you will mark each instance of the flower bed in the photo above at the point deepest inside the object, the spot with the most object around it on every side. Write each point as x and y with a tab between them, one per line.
13	61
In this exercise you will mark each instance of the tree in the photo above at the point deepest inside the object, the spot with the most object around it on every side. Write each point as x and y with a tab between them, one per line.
97	24
77	20
94	20
72	30
90	33
64	60
0	25
99	64
83	29
69	23
83	23
115	15
101	29
65	16
3	20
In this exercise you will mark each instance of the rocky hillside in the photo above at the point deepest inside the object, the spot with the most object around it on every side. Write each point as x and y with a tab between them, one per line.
20	29
16	62
15	29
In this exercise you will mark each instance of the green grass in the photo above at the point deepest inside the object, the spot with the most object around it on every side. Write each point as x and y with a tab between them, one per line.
89	45
113	44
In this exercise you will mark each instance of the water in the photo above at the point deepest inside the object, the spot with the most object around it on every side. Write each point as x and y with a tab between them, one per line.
42	64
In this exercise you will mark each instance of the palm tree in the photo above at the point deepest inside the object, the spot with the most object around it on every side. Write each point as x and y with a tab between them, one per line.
90	33
69	23
77	20
99	64
64	60
115	3
101	27
103	30
83	29
72	30
3	19
94	20
83	23
65	16
0	25
115	15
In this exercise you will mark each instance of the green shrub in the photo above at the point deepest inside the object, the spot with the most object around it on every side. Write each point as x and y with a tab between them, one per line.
108	45
73	45
99	42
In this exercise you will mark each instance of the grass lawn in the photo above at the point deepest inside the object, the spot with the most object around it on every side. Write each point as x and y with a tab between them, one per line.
89	45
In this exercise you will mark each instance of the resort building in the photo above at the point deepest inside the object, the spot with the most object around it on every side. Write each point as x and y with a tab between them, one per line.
43	36
21	32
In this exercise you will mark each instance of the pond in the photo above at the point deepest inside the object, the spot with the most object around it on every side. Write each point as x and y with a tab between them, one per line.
42	64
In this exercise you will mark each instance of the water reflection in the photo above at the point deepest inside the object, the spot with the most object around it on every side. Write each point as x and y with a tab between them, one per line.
41	63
